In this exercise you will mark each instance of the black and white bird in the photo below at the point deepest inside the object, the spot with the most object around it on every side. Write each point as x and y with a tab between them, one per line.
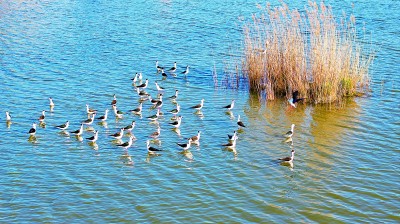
142	93
295	98
150	149
199	106
32	131
163	73
175	96
90	120
173	69
231	144
232	137
114	101
8	116
104	117
127	144
176	110
94	137
140	76
185	146
155	101
130	127
177	123
79	131
157	133
155	116
196	138
90	110
119	134
143	85
63	126
51	103
240	123
159	88
186	71
288	159
290	133
159	68
118	114
137	110
42	117
135	79
230	106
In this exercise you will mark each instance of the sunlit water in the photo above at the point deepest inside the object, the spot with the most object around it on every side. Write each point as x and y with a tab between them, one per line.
82	52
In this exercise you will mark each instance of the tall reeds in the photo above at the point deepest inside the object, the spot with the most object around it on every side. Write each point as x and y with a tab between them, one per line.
312	52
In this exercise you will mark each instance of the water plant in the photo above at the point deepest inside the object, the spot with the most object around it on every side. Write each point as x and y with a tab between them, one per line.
310	51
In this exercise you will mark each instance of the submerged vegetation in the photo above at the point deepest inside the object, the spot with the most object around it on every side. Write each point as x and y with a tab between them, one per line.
312	52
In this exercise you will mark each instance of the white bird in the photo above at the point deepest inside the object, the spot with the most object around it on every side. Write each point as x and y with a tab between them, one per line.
177	123
94	137
159	88
232	137
154	117
175	96
8	117
196	138
290	133
51	102
173	69
135	79
176	110
240	123
63	126
199	106
79	131
90	120
138	110
104	117
42	117
114	101
32	131
90	110
130	127
288	159
159	68
127	144
231	144
144	85
230	106
186	71
119	134
185	146
117	113
150	149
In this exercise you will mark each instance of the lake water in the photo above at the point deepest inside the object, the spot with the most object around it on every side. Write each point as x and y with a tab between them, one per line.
82	52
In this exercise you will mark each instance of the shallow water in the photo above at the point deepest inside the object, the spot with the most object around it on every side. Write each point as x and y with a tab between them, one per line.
83	52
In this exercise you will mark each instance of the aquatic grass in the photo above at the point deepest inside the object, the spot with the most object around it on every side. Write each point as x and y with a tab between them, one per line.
312	52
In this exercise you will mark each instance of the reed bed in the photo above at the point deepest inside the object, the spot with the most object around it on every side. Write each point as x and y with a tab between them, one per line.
312	52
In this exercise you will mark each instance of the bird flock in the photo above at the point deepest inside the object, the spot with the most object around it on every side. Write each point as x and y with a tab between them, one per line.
156	104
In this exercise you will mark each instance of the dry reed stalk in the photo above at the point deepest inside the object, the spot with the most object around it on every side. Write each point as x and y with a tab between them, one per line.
312	53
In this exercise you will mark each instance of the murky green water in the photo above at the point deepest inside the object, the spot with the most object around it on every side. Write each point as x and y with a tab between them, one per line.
83	52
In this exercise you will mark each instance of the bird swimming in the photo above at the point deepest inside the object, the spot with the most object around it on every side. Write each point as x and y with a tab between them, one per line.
173	69
196	138
42	117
